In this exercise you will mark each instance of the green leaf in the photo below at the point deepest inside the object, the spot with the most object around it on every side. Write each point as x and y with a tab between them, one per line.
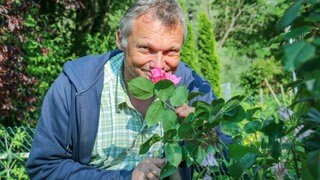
275	149
236	115
272	129
154	113
298	32
230	128
237	151
252	126
169	120
203	110
217	105
173	153
190	118
188	151
239	167
211	149
170	134
313	161
164	89
248	160
250	113
316	42
185	130
232	103
141	88
306	174
313	1
298	53
290	15
146	146
314	116
201	153
167	170
179	97
194	94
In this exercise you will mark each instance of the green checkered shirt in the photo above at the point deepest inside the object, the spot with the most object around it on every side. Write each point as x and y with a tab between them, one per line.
121	128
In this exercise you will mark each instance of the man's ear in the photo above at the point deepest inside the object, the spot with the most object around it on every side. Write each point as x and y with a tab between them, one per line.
118	40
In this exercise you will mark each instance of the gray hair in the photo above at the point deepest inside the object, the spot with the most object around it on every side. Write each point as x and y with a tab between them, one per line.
168	12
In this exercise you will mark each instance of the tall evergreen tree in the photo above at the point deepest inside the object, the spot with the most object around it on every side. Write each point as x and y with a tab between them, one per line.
209	62
189	54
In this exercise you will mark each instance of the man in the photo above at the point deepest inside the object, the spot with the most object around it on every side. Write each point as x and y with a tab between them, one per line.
91	127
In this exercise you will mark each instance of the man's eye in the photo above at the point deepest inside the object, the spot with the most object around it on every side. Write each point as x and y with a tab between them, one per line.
144	49
172	52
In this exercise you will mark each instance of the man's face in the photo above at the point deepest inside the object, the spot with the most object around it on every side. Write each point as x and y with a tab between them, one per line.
150	45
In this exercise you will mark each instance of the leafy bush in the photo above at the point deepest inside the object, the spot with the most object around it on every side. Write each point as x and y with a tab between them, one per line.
260	73
17	87
15	144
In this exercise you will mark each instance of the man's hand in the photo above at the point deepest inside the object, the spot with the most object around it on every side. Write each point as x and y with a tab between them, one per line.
149	168
184	110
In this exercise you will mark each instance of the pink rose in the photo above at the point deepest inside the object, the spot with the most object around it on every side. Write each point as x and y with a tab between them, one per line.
158	74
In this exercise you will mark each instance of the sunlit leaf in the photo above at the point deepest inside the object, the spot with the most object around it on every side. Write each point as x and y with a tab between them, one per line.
164	89
173	153
232	103
154	113
179	97
169	119
146	146
230	128
141	88
211	149
201	153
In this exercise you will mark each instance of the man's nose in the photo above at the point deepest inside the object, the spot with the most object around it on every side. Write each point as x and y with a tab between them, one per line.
158	60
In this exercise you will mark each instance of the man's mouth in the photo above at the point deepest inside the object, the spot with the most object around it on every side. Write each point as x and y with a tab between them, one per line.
147	72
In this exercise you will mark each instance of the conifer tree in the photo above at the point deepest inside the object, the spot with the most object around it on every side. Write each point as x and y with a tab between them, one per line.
189	52
209	62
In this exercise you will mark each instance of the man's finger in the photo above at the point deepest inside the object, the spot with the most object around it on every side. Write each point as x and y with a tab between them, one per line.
158	162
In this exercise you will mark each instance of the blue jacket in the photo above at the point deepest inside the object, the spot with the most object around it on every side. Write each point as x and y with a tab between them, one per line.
66	132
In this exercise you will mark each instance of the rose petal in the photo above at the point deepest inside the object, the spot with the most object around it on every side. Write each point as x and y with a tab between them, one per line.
158	74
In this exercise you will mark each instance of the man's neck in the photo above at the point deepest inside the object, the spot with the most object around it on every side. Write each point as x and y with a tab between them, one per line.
141	105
